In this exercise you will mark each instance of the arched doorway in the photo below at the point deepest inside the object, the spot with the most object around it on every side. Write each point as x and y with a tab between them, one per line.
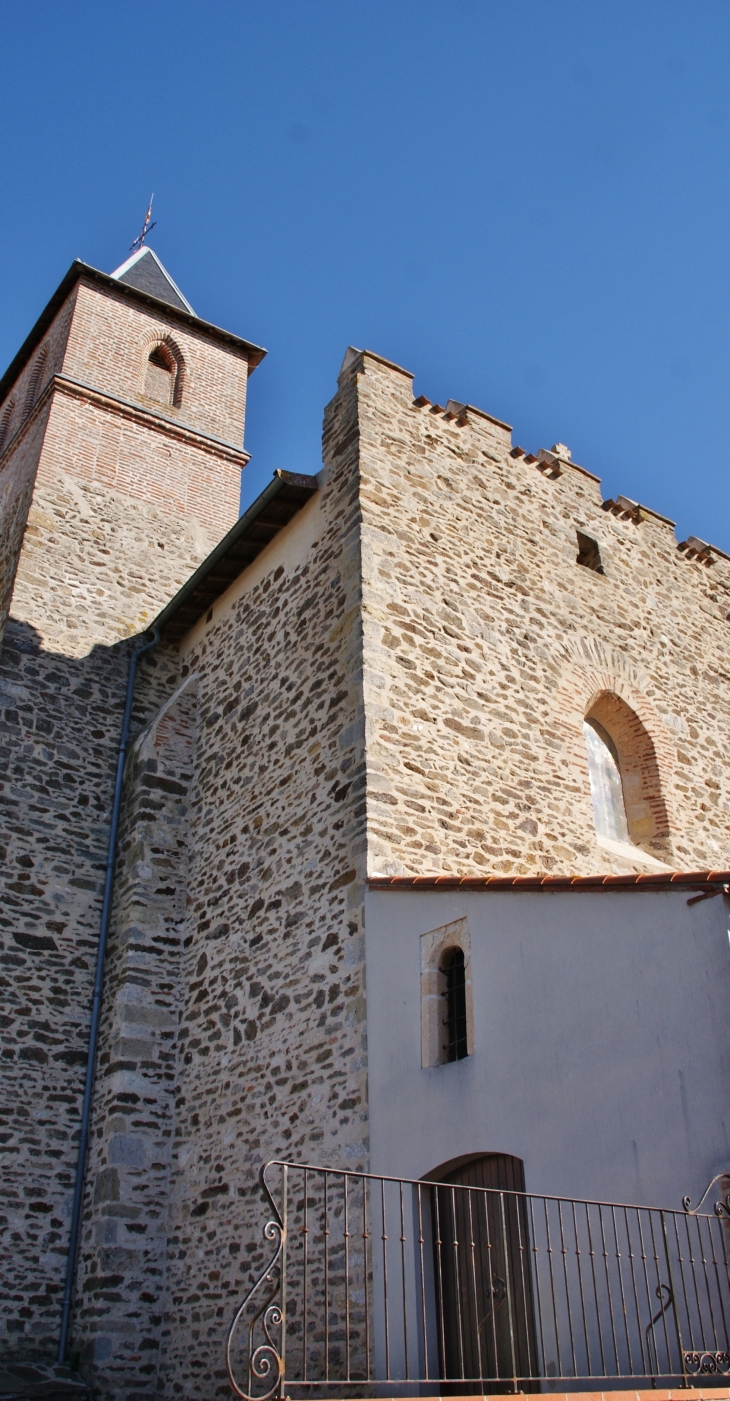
482	1268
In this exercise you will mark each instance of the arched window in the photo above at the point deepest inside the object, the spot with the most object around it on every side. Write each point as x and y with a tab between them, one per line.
447	1011
454	1000
609	811
160	375
5	418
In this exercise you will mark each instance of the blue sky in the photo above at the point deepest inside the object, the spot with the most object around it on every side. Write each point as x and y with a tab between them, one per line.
525	202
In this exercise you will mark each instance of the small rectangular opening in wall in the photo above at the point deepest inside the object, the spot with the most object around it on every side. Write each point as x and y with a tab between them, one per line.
589	554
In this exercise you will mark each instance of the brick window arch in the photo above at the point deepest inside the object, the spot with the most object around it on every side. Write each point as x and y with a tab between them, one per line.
5	418
164	372
626	790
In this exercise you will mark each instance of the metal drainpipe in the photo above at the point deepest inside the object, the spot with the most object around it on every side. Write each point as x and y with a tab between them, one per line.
96	1004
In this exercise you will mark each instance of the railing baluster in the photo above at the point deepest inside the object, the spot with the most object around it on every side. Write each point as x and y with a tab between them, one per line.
439	1267
366	1275
403	1283
526	1291
305	1266
591	1256
640	1211
326	1279
535	1273
476	1332
457	1284
564	1253
579	1262
282	1273
680	1265
345	1180
384	1239
492	1286
630	1255
508	1283
609	1296
424	1325
552	1287
715	1224
708	1291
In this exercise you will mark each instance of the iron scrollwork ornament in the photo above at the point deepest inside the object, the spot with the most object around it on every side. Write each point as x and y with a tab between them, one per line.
707	1364
721	1208
265	1361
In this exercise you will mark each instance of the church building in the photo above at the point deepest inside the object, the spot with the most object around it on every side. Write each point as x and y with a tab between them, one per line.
384	828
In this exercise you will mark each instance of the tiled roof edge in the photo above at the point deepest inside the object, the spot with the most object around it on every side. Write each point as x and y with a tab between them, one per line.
657	881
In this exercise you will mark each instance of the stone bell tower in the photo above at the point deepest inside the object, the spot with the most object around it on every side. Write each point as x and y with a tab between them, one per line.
121	450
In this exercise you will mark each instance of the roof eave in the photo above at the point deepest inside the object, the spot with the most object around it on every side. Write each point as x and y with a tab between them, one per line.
296	489
80	270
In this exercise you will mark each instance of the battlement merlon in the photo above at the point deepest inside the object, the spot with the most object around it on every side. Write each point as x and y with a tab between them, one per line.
552	463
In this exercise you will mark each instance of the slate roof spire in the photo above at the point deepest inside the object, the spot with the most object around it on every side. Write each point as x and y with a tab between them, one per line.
145	272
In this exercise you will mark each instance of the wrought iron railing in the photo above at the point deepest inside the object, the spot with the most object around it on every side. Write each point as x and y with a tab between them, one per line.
378	1285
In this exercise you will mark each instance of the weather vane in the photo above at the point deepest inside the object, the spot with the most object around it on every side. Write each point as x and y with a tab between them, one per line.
149	223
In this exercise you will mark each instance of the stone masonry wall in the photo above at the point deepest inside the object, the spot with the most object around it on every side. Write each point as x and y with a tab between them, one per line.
271	1035
486	643
122	1266
103	550
90	574
272	1032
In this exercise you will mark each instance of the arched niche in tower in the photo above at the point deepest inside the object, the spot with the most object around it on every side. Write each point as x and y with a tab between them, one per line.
164	372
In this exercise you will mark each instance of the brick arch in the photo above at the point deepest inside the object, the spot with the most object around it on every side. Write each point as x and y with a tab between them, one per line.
34	380
601	683
5	418
169	347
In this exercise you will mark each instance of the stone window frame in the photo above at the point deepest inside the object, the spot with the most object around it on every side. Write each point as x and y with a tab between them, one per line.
165	342
433	946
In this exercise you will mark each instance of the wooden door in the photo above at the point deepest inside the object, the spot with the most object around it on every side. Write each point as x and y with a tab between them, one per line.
483	1280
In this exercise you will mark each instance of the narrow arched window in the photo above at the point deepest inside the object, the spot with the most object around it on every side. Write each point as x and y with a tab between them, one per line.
454	972
607	793
159	381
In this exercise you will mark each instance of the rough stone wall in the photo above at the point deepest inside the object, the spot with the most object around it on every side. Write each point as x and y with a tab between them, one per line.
122	1265
486	644
272	1032
98	562
109	343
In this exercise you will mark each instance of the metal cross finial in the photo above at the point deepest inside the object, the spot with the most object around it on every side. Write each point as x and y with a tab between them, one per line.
148	224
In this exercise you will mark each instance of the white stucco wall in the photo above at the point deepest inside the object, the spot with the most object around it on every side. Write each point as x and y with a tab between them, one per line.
601	1040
